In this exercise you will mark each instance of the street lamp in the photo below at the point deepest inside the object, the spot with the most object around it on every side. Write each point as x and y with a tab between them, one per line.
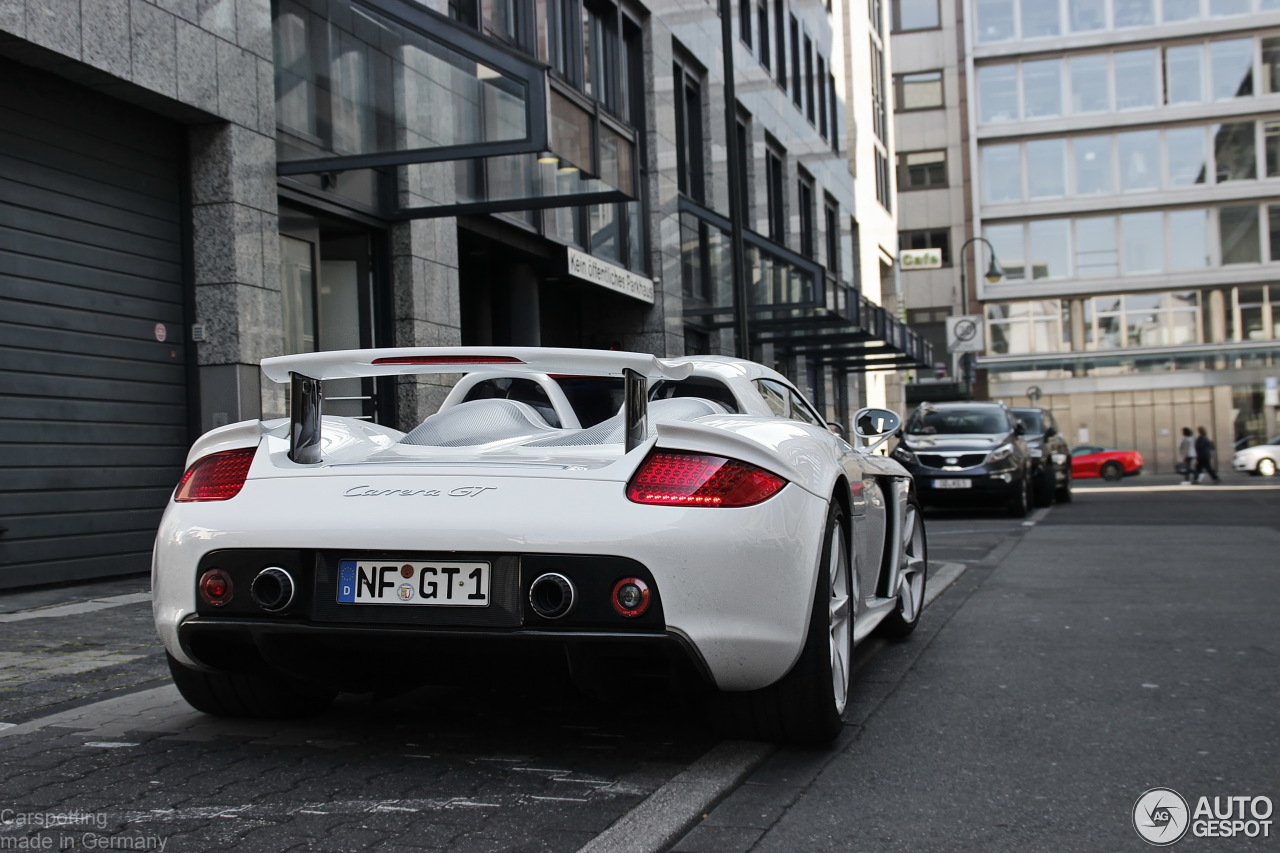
993	274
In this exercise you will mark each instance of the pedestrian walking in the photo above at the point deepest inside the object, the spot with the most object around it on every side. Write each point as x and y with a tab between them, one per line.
1187	456
1204	457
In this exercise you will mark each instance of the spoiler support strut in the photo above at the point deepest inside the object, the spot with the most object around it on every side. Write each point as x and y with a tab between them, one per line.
306	398
636	408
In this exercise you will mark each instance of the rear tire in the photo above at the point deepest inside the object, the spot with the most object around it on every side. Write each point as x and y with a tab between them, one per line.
1064	491
1111	471
1044	487
248	694
1020	504
806	706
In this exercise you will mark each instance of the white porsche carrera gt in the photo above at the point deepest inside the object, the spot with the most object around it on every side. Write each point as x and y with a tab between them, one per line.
691	518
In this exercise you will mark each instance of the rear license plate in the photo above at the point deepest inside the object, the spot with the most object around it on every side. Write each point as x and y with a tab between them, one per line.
953	484
455	584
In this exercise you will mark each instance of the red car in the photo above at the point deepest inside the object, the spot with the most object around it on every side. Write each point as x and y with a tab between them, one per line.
1105	462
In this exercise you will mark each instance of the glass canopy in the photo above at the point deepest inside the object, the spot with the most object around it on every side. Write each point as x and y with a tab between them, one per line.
452	121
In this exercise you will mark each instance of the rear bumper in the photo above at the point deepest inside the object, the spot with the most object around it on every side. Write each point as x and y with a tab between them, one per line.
736	585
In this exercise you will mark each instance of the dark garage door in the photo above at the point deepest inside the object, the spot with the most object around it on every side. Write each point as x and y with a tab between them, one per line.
93	396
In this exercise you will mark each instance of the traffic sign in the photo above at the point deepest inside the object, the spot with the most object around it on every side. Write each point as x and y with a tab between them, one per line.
964	333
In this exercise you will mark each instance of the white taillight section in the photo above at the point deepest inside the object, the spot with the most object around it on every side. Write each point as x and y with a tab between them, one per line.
676	478
216	477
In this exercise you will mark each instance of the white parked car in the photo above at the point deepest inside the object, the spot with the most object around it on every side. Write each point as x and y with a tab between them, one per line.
713	531
1262	459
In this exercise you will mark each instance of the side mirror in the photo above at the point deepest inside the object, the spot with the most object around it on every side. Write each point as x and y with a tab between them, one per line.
1019	428
875	426
1050	432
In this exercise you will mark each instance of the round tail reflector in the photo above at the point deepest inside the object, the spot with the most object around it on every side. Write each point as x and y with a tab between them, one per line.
630	596
216	587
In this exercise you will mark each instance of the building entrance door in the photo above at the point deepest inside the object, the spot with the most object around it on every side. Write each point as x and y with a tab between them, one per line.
330	300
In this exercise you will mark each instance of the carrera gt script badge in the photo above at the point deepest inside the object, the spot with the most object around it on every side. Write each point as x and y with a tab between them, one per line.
458	492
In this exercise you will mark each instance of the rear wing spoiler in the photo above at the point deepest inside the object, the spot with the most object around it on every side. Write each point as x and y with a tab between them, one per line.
306	373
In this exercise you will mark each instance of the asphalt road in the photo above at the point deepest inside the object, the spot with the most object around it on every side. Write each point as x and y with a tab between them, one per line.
1125	641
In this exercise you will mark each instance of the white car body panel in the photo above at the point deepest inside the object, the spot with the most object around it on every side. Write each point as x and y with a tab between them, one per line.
737	584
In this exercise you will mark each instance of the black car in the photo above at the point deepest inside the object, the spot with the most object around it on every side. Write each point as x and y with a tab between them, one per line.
967	453
1050	456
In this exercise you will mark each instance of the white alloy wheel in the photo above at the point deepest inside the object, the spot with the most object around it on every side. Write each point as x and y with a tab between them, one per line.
840	612
1267	467
912	571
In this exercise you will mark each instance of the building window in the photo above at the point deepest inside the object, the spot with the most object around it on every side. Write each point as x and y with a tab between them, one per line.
875	11
1040	18
1231	68
831	106
1141	320
884	188
775	194
744	21
1093	168
1183	74
1047	168
689	133
1097	252
915	15
1238	235
1090	79
1273	229
1042	88
563	35
919	170
920	91
935	238
880	112
808	235
995	20
744	162
762	24
821	85
831	221
1139	160
1134	13
810	108
780	27
1235	157
797	77
1020	328
1137	75
1001	173
1088	15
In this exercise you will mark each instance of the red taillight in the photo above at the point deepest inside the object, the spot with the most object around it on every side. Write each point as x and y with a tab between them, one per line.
630	597
449	359
697	479
216	477
216	587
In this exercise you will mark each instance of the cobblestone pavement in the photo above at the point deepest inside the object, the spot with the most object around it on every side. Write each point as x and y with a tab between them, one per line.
98	751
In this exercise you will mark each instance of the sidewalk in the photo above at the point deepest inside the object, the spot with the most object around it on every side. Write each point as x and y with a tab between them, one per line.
65	646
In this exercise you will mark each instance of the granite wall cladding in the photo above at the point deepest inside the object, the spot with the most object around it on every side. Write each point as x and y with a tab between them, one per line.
207	64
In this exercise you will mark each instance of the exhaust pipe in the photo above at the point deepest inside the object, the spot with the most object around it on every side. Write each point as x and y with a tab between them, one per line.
552	595
273	589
